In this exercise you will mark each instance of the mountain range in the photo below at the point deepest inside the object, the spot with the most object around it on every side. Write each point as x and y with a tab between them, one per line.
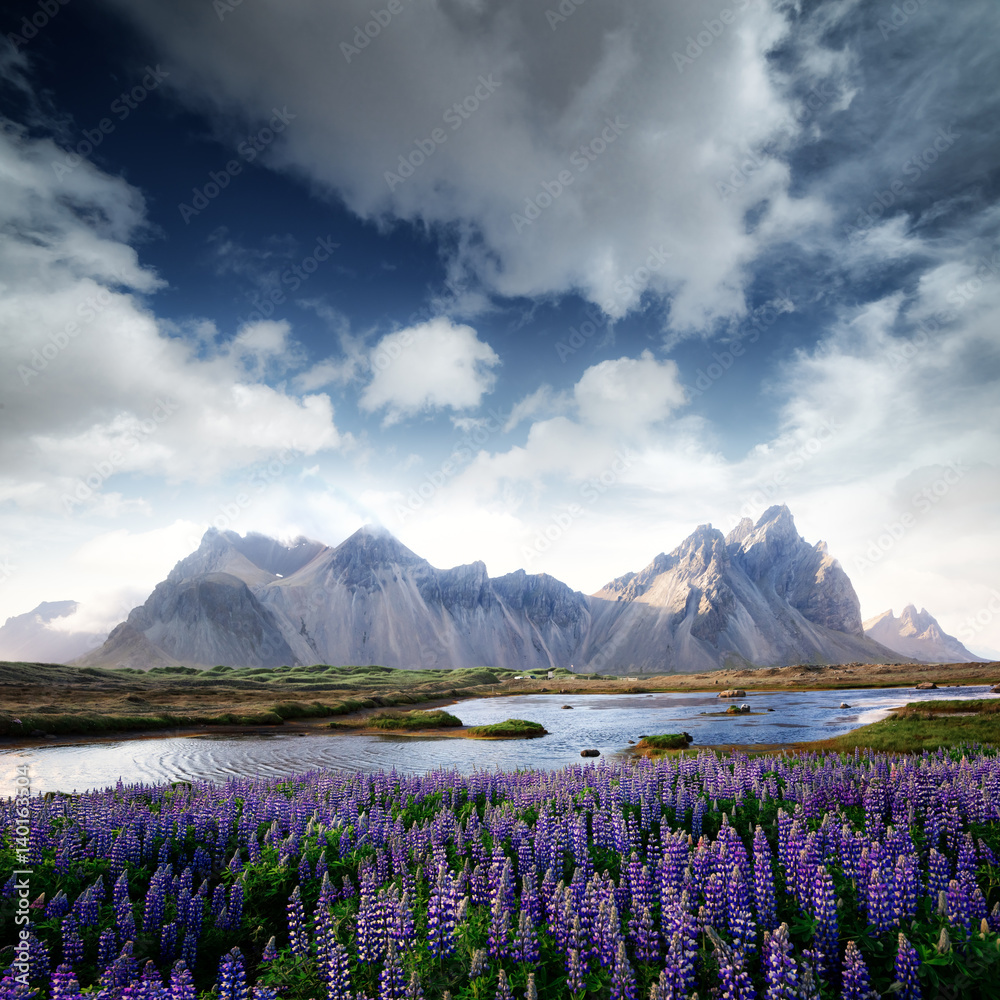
760	595
917	634
31	636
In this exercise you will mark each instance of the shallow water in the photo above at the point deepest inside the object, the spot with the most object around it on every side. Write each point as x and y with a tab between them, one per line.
605	722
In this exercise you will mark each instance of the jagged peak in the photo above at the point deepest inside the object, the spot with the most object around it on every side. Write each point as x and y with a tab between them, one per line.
374	543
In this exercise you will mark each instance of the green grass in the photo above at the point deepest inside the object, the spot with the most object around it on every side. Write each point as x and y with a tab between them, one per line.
666	741
510	728
438	719
912	734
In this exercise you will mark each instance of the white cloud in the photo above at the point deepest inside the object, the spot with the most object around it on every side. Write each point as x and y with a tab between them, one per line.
628	393
93	383
577	156
432	366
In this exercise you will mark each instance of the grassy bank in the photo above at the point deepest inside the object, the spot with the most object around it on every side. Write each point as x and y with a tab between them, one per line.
924	726
509	729
393	721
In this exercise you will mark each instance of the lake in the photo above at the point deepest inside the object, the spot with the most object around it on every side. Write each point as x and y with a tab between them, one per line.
605	722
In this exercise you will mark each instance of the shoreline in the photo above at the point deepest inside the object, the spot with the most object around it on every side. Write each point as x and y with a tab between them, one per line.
272	711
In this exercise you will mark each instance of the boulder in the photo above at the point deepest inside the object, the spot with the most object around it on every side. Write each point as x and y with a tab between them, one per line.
590	753
733	693
926	686
844	704
567	706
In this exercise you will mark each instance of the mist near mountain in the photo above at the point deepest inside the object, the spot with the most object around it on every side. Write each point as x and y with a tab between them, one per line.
917	634
30	637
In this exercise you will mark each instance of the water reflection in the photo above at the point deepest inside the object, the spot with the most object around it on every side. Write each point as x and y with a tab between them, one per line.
606	722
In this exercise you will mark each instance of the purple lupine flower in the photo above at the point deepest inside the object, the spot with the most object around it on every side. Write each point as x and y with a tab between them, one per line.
57	907
574	971
763	881
738	916
623	977
526	948
880	915
72	943
957	905
907	964
64	985
780	971
336	972
478	964
298	941
168	942
107	947
392	980
181	984
414	991
825	913
856	982
270	950
499	932
232	981
504	991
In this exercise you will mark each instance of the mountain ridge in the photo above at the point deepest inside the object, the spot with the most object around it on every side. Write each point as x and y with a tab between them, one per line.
760	595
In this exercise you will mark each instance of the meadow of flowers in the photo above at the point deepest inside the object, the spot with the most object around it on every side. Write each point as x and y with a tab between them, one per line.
717	876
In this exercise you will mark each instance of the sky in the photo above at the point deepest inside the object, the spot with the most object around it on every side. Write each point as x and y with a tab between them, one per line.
546	283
